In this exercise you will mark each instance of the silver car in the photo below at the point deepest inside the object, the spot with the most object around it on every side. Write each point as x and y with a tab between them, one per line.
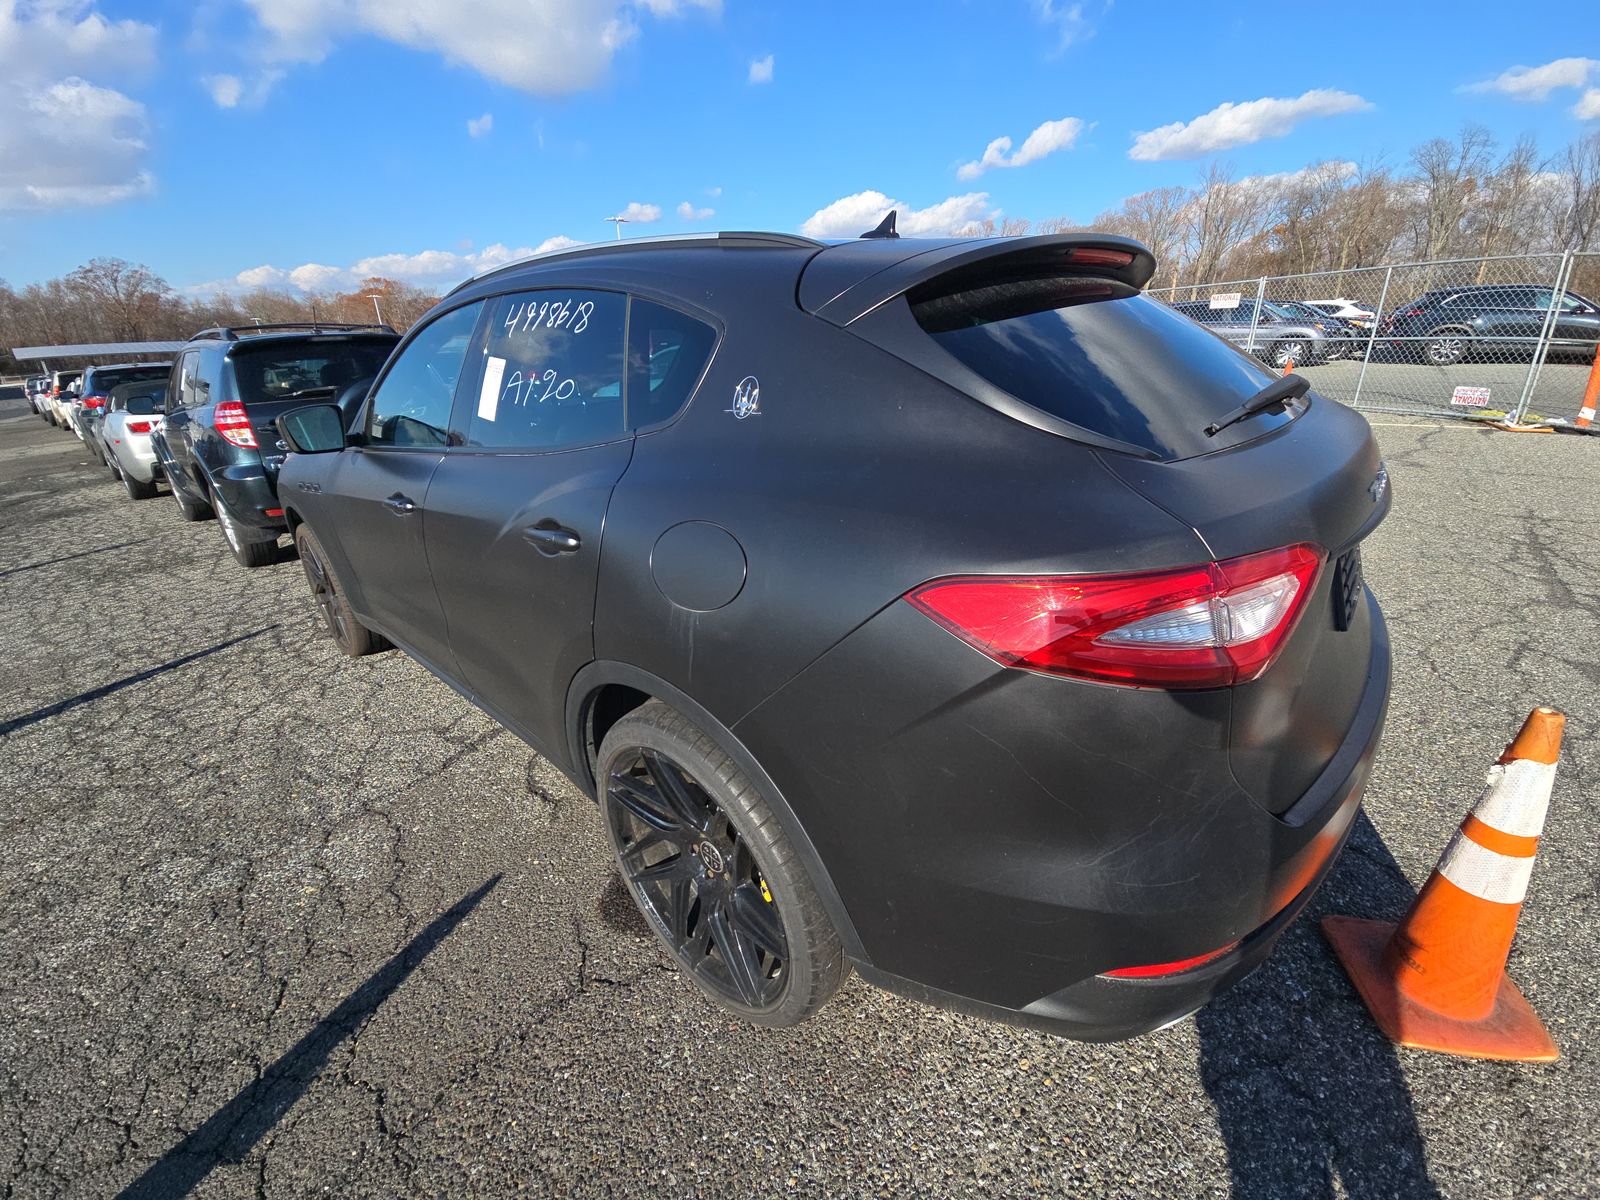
133	413
1278	336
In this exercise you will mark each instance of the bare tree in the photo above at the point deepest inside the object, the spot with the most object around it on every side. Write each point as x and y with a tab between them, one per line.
130	295
1448	176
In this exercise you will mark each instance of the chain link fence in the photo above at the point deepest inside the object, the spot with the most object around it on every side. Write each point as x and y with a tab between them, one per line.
1514	334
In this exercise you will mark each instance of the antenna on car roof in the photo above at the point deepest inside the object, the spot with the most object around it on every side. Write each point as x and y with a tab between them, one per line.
885	228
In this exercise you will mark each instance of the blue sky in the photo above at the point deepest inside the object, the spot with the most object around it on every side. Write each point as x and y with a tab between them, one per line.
309	141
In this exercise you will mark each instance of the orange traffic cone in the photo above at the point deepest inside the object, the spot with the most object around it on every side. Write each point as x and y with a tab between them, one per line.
1288	366
1438	980
1591	394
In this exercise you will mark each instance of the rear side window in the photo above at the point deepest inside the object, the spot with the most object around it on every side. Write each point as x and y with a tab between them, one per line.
1097	354
667	353
552	371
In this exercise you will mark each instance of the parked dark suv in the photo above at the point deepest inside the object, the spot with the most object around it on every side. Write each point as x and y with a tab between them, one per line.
216	446
945	608
1496	320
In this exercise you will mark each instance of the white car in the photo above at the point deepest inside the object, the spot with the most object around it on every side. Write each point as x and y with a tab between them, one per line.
1340	307
133	413
63	385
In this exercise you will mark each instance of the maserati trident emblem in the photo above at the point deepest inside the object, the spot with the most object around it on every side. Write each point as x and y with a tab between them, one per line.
747	398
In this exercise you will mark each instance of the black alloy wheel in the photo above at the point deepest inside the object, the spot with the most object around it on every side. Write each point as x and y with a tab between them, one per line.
698	879
349	634
711	871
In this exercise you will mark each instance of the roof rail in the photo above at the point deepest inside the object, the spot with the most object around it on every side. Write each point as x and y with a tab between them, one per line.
232	333
728	238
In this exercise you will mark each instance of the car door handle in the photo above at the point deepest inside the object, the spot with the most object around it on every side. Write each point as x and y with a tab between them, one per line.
401	504
549	538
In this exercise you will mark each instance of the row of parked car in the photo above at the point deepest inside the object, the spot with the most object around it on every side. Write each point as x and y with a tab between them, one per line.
1442	327
885	594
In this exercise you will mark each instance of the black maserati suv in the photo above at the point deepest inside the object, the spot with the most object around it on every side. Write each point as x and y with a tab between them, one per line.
944	609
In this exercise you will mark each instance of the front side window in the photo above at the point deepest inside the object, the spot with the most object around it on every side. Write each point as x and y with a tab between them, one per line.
552	371
411	406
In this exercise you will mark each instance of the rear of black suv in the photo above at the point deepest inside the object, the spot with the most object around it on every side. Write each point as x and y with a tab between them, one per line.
1106	683
218	444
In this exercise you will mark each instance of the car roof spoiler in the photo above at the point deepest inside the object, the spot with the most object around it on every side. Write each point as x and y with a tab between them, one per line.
850	279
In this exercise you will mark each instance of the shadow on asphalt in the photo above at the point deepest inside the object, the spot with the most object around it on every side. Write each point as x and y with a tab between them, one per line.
1306	1089
49	562
233	1129
93	694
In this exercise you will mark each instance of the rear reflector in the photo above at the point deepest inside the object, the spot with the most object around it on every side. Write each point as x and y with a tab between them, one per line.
273	512
140	426
1155	970
1209	625
231	421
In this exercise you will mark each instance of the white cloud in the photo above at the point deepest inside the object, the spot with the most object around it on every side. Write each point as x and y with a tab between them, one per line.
546	47
761	70
1335	170
1067	20
850	216
225	89
67	141
314	277
641	213
1231	124
714	192
689	212
478	127
1588	106
1047	139
559	242
1536	83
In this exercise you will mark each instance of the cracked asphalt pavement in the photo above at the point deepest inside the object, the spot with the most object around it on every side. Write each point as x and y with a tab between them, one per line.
279	923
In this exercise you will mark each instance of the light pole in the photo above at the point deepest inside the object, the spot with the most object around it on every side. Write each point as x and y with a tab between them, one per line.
373	296
619	221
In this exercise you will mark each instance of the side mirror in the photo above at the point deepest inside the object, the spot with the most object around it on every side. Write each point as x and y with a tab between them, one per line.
314	429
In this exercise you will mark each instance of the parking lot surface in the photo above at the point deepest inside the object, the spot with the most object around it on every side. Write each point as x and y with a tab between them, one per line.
276	922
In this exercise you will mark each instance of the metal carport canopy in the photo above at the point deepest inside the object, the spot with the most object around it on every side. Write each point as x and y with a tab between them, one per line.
96	350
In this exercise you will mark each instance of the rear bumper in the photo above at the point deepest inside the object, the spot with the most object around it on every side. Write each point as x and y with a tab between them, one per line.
250	493
1011	841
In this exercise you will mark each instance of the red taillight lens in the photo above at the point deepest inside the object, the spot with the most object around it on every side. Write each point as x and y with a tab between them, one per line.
230	420
94	401
1154	970
140	426
1088	256
1210	625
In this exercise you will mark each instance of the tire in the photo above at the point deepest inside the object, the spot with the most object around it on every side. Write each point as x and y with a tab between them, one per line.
350	635
1446	346
135	489
714	875
191	510
249	555
1293	351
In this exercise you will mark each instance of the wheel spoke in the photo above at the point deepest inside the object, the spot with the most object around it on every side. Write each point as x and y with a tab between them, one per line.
758	921
680	902
643	801
677	791
738	956
675	867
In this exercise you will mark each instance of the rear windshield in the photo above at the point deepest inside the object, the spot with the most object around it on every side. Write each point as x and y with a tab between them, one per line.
1101	356
302	371
142	406
105	379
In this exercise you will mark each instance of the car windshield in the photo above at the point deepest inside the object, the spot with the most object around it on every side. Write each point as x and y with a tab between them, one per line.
300	369
1099	355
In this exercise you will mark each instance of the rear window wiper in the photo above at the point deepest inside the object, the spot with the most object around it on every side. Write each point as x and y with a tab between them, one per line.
1276	394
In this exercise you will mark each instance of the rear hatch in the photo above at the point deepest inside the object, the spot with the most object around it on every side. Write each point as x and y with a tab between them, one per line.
1063	341
274	375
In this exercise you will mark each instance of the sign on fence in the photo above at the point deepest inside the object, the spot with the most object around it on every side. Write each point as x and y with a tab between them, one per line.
1471	397
1227	299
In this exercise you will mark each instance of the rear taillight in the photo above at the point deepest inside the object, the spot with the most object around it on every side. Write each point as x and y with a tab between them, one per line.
1210	625
230	420
94	401
140	426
